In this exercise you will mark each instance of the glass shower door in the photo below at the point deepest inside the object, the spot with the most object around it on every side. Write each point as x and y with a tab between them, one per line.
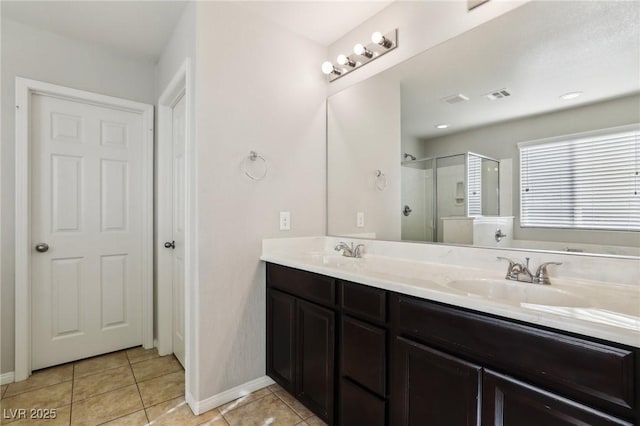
417	201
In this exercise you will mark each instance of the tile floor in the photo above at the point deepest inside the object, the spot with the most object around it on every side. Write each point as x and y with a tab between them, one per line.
138	387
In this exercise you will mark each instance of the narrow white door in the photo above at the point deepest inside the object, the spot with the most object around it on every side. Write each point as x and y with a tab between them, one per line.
178	143
86	230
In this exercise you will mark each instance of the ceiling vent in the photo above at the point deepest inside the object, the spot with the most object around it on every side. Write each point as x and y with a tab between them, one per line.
455	99
498	94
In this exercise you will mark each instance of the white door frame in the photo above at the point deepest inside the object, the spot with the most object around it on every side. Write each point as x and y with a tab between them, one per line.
180	85
24	89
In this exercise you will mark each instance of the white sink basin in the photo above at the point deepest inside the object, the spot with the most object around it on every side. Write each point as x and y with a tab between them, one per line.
517	292
336	260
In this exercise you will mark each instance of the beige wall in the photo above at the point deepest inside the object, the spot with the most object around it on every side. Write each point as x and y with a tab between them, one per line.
259	88
35	54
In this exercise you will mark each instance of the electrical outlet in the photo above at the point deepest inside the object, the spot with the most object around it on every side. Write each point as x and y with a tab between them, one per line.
360	219
285	221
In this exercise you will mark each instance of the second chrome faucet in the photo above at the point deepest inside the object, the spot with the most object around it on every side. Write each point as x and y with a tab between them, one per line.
520	272
349	250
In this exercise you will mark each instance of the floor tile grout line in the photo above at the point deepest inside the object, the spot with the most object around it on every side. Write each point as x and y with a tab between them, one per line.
120	417
222	413
141	400
135	379
221	416
102	393
154	377
36	389
8	385
157	377
291	407
100	371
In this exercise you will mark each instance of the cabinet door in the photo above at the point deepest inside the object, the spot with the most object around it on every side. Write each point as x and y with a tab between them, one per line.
281	338
508	402
316	358
430	387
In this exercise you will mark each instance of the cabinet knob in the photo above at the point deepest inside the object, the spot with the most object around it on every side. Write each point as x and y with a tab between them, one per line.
171	245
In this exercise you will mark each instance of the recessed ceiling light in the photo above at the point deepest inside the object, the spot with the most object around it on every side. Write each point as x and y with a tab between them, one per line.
571	95
442	126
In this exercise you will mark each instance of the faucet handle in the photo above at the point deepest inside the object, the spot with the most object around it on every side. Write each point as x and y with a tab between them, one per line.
514	268
347	250
357	252
541	276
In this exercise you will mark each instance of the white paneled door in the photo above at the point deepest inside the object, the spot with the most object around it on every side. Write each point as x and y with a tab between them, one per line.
86	229
178	143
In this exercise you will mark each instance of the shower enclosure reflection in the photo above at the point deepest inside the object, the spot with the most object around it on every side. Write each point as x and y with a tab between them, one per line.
437	189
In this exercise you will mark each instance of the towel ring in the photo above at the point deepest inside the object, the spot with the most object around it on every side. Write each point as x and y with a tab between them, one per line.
381	180
252	162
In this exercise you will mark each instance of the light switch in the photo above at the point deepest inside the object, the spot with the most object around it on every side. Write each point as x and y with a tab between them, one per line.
360	219
285	221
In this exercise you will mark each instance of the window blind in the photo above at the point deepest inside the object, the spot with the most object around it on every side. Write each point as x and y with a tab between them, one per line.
474	185
582	182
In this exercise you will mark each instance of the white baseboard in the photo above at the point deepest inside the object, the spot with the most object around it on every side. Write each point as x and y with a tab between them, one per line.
7	378
199	407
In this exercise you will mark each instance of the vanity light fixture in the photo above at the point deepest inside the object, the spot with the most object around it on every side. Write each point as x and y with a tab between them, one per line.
442	126
570	95
345	60
328	68
380	45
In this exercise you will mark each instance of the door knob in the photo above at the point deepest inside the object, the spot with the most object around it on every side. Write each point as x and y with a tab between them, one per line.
42	247
171	245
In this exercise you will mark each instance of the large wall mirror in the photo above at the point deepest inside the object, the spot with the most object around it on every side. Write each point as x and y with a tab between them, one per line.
521	133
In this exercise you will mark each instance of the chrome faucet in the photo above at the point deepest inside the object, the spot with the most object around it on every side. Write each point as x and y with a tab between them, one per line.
349	250
521	272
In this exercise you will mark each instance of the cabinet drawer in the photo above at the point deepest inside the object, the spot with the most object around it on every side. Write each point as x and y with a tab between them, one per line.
364	301
306	285
364	354
359	407
595	373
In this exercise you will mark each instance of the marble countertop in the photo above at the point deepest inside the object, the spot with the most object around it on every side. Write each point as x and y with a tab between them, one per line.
597	309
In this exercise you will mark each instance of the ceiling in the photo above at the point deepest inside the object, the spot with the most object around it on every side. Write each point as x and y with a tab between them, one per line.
538	52
142	28
133	28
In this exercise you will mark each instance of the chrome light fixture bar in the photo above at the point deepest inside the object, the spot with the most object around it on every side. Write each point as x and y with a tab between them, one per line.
362	54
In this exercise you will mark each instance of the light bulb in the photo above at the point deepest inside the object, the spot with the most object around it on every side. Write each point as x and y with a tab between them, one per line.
442	126
327	67
359	49
345	60
381	40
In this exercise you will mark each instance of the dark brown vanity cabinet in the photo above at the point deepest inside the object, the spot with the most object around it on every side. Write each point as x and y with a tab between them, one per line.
301	336
543	375
359	355
364	339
